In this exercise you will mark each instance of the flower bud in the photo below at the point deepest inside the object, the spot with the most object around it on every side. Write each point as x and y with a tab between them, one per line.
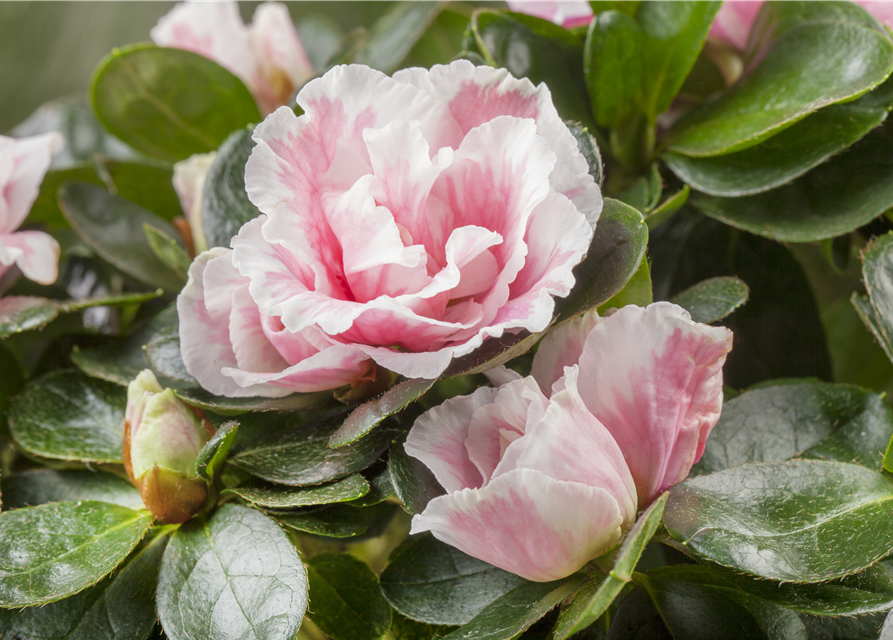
162	438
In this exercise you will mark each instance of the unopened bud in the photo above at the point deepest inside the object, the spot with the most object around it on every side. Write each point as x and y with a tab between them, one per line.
162	438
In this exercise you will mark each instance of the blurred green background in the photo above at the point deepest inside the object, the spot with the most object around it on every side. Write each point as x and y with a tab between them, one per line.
49	49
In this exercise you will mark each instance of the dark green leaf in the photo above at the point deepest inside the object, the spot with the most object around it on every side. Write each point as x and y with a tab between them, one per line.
46	209
169	251
393	35
786	521
613	64
536	49
432	582
337	521
877	273
872	322
613	258
113	228
225	204
40	486
595	597
234	406
53	551
509	615
380	486
788	155
24	313
148	185
279	497
68	416
413	482
673	35
843	628
236	575
637	291
212	456
11	382
163	355
367	416
669	206
347	603
713	299
298	454
494	352
169	103
589	148
120	607
771	424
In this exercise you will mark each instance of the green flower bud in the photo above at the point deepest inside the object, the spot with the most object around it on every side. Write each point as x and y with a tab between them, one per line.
162	438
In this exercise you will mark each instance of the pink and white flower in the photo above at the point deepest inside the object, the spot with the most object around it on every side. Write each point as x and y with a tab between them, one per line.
189	183
234	350
567	13
266	55
536	486
23	164
652	377
411	218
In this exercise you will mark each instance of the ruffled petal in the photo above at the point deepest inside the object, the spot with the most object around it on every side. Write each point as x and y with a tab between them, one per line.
527	523
654	379
562	348
34	252
23	164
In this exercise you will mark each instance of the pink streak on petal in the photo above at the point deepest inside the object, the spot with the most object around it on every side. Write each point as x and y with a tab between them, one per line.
34	252
562	348
734	20
251	345
568	14
23	164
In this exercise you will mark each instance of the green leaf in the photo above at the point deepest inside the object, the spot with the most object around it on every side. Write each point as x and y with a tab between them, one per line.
413	482
369	415
872	322
393	35
236	575
39	486
210	459
596	596
113	228
494	352
380	487
613	65
337	521
11	382
669	206
877	273
673	35
148	185
775	423
321	38
714	299
25	313
169	103
786	521
835	198
163	355
68	416
843	628
347	603
234	406
806	60
120	607
168	250
588	146
298	453
278	497
788	155
225	203
613	258
513	613
539	50
55	550
432	582
637	291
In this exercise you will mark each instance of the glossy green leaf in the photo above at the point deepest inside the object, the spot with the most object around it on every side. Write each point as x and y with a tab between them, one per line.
713	299
595	597
516	611
872	322
68	416
539	50
806	60
234	406
432	582
613	64
25	313
667	208
163	355
298	454
637	291
279	497
169	103
148	184
119	607
413	482
39	486
225	204
168	250
844	627
673	35
836	421
55	550
877	274
210	459
113	228
587	145
613	258
393	35
380	486
788	155
494	352
367	416
347	603
336	521
786	521
236	575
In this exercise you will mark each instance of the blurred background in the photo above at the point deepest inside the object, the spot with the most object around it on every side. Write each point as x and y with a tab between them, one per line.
49	49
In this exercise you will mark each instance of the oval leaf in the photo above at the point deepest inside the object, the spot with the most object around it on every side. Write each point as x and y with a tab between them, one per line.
278	497
236	575
39	486
50	552
24	313
337	521
169	103
413	482
212	456
68	416
786	521
714	299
